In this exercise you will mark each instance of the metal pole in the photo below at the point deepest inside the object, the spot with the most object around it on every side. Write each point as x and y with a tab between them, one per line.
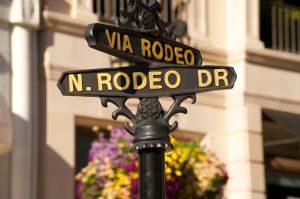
151	141
152	173
152	136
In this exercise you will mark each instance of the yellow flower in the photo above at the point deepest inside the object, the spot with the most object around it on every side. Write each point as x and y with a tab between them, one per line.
181	160
84	179
168	177
78	176
178	173
168	159
168	170
173	141
92	171
122	145
174	156
135	175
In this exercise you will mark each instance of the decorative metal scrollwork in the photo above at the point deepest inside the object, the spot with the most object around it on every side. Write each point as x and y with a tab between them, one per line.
150	125
177	108
149	114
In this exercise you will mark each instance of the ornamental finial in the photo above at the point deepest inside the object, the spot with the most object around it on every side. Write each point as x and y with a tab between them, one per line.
144	15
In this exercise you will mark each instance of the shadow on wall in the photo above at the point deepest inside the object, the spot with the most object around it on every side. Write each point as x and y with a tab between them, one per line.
5	147
21	159
5	127
4	66
58	177
5	176
55	175
5	3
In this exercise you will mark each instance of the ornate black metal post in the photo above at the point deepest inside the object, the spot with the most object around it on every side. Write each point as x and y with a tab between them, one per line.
152	134
174	71
152	137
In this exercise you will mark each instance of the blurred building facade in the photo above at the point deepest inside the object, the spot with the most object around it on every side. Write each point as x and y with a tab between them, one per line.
254	128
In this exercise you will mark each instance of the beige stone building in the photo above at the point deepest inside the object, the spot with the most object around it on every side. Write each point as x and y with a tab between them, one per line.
254	128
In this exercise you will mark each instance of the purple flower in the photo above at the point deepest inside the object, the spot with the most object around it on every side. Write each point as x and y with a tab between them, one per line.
78	190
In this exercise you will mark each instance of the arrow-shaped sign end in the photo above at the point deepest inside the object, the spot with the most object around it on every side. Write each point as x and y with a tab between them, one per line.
60	83
89	35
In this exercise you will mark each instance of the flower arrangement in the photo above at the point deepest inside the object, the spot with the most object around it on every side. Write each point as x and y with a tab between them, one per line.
112	172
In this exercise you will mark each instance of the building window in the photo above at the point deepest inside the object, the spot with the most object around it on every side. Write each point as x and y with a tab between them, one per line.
281	154
280	25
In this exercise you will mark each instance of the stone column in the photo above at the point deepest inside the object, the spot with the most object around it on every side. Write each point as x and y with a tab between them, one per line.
253	24
24	19
245	153
22	168
241	138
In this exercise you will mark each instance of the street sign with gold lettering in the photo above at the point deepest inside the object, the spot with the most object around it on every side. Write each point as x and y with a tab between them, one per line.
140	46
138	81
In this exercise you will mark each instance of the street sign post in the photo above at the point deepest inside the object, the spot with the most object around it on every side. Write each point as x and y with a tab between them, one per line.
163	68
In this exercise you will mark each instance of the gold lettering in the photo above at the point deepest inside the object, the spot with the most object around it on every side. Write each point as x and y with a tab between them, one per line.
119	41
146	45
200	78
143	77
169	56
111	39
158	55
116	83
106	81
75	82
153	80
186	57
167	79
221	74
127	44
179	55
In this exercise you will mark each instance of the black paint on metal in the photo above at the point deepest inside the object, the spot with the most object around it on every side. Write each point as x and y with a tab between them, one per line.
152	173
149	113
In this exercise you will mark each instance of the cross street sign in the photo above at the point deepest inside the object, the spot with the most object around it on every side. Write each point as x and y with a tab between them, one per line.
139	81
140	46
